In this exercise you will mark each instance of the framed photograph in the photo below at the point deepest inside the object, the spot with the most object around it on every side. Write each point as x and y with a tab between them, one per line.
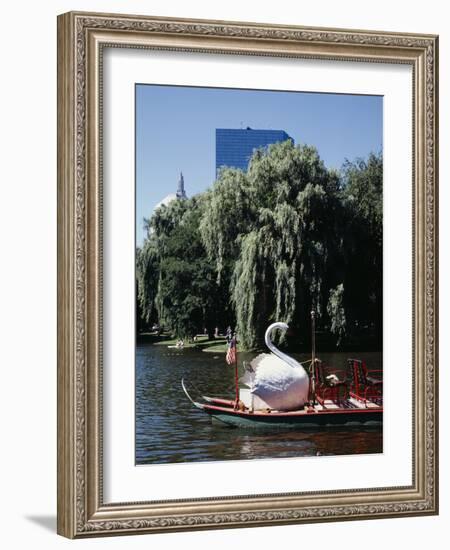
247	284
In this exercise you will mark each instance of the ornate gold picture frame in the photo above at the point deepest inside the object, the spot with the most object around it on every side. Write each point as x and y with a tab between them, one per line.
82	40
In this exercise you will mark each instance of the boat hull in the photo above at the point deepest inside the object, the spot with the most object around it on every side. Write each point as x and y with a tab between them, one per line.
324	414
300	420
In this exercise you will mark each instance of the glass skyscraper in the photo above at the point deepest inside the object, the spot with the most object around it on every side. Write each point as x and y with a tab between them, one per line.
234	147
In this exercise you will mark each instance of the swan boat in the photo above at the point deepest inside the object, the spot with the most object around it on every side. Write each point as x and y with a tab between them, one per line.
281	393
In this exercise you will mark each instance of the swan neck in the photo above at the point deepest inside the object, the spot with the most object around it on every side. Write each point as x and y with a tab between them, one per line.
289	360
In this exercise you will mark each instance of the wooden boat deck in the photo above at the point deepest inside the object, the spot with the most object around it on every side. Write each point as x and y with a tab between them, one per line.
327	405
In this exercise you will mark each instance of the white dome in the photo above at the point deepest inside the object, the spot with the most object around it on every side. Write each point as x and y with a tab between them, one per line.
166	200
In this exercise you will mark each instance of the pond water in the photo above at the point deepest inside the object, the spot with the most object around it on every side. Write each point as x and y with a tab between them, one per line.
170	429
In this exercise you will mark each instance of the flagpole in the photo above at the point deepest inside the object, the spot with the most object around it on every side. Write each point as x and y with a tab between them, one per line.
236	376
237	381
313	355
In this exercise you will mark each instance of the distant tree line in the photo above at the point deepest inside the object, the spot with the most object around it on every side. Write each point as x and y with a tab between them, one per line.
272	243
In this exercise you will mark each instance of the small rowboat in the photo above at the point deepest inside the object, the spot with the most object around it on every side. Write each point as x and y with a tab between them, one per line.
282	393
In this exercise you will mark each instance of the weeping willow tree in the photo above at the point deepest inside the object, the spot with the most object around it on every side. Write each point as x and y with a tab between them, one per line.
147	274
159	228
283	238
271	228
362	232
227	210
336	311
175	278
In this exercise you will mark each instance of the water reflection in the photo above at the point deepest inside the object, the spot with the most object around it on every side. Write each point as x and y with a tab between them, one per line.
169	429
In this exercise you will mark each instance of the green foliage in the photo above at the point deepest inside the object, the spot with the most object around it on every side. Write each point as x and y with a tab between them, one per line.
336	311
272	243
362	197
185	294
147	273
278	239
363	192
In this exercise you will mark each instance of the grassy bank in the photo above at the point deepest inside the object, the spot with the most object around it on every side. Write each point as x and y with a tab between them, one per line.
216	345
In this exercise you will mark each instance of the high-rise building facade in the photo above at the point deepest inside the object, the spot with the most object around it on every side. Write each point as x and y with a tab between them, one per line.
234	147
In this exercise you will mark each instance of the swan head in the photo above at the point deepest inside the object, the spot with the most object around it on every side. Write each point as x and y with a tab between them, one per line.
283	327
280	326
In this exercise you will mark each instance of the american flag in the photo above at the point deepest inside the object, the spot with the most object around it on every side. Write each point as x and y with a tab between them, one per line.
231	356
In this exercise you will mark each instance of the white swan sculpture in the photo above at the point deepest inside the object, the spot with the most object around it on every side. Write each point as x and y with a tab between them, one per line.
275	380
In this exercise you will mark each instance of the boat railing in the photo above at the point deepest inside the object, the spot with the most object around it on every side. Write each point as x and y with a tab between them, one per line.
365	383
328	384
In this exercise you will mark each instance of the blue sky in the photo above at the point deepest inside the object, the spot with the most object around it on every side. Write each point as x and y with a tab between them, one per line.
175	131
